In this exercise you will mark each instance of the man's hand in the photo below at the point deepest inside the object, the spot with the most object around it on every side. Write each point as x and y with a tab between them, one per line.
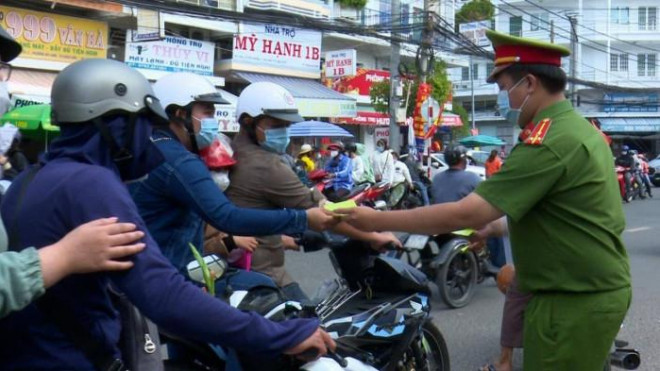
246	243
316	346
290	243
381	240
320	220
478	239
359	217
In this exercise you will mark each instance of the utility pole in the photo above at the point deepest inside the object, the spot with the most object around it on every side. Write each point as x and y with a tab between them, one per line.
472	90
395	58
574	42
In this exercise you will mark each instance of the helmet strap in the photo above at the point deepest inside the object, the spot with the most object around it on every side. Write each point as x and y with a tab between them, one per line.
187	124
121	156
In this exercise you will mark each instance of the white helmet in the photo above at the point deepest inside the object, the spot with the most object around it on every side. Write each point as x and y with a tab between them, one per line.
267	98
183	88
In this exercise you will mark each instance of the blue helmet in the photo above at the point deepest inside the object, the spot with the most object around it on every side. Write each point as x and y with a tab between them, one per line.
625	148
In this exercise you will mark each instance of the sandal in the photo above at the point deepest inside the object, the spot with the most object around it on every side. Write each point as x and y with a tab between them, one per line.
487	367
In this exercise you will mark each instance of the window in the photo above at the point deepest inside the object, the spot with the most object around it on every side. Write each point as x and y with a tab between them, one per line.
623	62
646	64
647	18
465	73
620	14
515	26
539	21
489	68
475	71
614	62
385	10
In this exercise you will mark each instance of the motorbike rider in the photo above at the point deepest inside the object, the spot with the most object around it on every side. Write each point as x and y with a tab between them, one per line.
304	157
105	141
626	160
454	183
180	195
340	173
99	245
260	180
400	181
644	173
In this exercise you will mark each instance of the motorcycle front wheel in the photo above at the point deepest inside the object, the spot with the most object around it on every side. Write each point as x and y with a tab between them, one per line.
430	350
457	278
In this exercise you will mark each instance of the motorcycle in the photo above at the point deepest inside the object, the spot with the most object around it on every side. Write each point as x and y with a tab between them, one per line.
450	263
378	312
622	176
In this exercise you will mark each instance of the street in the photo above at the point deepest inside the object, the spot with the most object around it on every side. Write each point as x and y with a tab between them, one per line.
472	333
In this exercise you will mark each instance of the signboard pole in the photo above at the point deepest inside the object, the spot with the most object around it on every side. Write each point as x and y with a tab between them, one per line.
394	78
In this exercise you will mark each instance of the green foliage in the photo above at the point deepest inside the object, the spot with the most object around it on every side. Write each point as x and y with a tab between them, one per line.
475	10
441	87
357	4
463	131
380	96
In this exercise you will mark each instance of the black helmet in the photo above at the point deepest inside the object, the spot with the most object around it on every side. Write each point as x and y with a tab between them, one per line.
9	48
454	154
351	147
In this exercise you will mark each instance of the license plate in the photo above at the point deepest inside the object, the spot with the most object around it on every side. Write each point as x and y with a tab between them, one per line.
416	241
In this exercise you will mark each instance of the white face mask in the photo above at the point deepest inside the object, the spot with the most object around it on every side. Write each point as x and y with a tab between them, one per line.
334	154
221	179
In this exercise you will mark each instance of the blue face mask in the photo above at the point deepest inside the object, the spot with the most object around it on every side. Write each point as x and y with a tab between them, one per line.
276	139
380	148
512	115
208	132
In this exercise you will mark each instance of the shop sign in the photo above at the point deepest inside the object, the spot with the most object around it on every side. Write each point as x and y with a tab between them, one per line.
340	63
382	133
366	118
360	84
226	116
23	100
476	32
53	37
172	54
149	26
259	47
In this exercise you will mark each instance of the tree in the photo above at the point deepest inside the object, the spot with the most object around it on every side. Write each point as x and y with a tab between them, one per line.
463	131
357	4
475	10
380	91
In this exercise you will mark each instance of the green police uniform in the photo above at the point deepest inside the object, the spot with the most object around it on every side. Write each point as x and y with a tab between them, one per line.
559	191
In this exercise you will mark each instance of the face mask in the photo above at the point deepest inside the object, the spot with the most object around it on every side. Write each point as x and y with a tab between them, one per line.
276	139
512	115
380	148
221	179
318	156
334	154
207	132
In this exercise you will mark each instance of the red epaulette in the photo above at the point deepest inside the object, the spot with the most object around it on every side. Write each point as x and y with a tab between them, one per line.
539	132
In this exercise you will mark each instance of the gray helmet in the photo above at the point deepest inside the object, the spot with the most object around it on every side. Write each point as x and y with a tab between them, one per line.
92	88
9	48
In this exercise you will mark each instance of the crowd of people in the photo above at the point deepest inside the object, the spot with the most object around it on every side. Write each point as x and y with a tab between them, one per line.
139	173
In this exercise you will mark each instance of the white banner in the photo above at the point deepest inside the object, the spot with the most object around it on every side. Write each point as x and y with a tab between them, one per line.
476	32
340	63
263	46
173	54
149	26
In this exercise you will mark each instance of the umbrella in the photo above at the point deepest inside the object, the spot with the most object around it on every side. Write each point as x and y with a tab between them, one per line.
31	120
481	140
317	129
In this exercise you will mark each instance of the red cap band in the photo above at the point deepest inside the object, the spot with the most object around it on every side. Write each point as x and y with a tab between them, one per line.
506	54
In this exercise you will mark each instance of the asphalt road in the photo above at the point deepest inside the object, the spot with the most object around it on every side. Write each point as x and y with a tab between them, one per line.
472	333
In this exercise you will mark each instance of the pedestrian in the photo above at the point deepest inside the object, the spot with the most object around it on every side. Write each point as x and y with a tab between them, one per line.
493	164
305	157
106	111
340	169
368	176
383	163
357	164
400	181
565	216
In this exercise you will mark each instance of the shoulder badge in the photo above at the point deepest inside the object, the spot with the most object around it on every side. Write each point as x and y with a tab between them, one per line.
538	134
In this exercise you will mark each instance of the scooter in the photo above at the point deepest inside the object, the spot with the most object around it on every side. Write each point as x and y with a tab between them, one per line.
378	312
622	174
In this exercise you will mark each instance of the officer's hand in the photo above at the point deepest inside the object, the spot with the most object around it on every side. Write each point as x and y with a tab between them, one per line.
314	346
320	220
359	217
381	241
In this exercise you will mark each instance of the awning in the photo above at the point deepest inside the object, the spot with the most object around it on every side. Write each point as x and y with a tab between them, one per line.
31	82
312	98
629	124
365	118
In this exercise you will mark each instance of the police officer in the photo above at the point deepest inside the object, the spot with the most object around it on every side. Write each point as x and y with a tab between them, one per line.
559	193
